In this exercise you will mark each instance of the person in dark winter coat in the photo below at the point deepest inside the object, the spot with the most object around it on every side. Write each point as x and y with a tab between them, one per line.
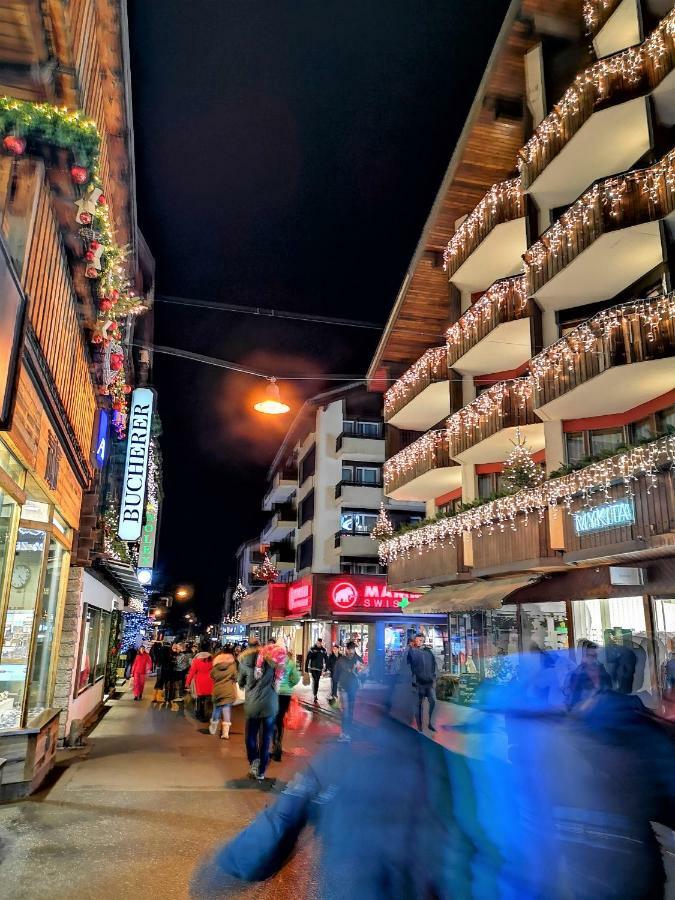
422	663
589	678
347	679
261	704
199	680
315	664
131	656
331	663
224	693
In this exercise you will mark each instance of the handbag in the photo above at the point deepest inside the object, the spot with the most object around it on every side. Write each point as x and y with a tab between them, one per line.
306	679
297	718
241	696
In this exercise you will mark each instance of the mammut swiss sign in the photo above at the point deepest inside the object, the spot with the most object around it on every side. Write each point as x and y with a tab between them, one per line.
136	468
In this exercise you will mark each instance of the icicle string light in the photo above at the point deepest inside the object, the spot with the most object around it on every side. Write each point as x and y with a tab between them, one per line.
562	356
472	324
429	368
496	515
651	61
488	403
596	12
407	459
502	203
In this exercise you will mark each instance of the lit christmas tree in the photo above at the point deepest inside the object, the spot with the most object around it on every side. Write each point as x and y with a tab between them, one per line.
519	469
238	596
266	571
383	528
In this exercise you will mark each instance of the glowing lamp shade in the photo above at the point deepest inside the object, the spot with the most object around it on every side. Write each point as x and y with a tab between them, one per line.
272	405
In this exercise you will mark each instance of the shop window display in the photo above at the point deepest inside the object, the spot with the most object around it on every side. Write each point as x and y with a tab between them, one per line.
93	647
543	626
618	627
358	633
47	618
664	638
19	617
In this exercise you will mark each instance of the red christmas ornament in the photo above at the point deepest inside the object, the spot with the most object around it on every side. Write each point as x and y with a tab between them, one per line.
118	405
114	295
94	245
96	339
116	361
91	272
90	255
102	201
79	174
104	305
14	144
127	389
85	218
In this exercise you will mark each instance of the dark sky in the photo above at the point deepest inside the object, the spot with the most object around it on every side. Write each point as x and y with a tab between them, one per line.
287	155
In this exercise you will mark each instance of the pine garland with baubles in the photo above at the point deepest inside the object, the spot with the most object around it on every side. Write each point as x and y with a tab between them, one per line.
520	471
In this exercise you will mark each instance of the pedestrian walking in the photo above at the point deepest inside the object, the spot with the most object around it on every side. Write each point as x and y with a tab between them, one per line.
139	671
347	671
258	676
131	656
289	679
224	693
331	663
182	666
315	665
589	678
422	663
200	683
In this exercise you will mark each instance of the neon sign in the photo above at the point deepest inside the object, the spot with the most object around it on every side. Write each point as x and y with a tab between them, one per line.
347	595
101	449
136	468
146	551
607	515
299	599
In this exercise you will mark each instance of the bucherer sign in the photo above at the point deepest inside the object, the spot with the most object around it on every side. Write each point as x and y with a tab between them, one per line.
136	468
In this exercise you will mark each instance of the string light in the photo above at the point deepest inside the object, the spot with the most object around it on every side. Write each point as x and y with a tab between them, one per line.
562	356
489	403
382	529
503	202
470	328
595	11
651	61
426	370
495	515
653	182
407	459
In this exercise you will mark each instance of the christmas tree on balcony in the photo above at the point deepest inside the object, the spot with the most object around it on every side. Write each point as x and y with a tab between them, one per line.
266	571
238	595
520	471
383	528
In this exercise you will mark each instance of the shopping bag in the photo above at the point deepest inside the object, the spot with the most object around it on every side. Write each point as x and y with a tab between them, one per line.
241	696
297	718
306	679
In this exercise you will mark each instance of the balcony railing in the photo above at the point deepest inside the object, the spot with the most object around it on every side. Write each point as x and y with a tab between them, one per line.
341	485
504	302
438	565
430	368
431	451
597	13
506	404
644	195
633	332
615	79
504	202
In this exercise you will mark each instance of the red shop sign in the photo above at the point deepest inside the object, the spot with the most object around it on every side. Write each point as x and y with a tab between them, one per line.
348	594
299	598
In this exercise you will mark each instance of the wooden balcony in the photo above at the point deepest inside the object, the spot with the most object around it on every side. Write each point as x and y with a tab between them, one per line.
436	566
527	547
617	360
556	170
581	258
489	244
501	317
421	396
484	430
423	470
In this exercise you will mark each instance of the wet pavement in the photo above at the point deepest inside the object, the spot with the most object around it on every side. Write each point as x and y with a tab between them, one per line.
135	810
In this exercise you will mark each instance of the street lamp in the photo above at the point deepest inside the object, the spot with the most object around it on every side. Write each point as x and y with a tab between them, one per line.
272	405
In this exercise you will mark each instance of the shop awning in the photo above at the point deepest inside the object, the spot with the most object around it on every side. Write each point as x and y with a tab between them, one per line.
473	595
124	575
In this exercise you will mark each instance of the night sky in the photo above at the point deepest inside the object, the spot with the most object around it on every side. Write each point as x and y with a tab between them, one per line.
287	155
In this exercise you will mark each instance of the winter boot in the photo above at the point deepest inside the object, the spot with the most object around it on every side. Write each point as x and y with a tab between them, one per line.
213	726
225	736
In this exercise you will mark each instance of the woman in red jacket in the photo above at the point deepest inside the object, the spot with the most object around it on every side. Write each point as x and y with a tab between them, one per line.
142	665
200	682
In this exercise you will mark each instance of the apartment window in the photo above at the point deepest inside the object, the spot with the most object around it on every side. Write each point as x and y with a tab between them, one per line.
18	186
450	508
308	464
306	510
357	474
575	447
642	430
605	440
358	428
665	421
486	486
361	567
352	522
305	553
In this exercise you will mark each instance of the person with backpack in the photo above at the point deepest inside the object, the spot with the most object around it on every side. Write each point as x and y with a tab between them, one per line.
224	694
422	663
258	675
288	681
